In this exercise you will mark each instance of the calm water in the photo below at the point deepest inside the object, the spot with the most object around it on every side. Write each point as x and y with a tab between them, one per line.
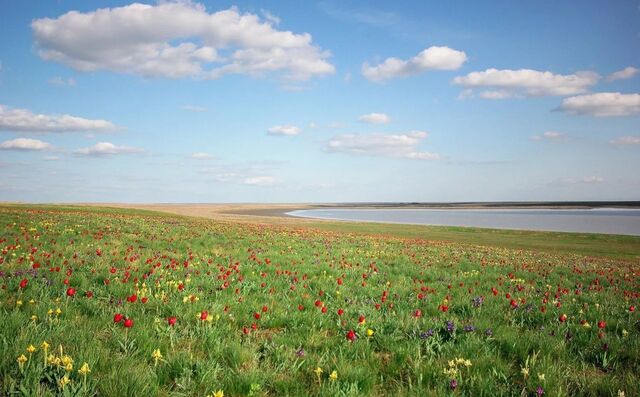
610	221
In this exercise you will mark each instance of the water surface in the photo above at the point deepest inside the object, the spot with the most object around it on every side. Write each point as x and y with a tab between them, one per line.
599	220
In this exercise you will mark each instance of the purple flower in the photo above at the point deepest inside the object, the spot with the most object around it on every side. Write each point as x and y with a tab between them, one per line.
453	384
478	301
488	332
450	326
539	391
300	353
469	328
426	334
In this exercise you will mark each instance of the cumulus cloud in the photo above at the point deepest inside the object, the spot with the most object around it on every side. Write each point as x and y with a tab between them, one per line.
178	39
201	156
22	120
24	144
375	118
554	136
386	145
626	140
498	84
623	74
602	104
107	149
288	130
432	58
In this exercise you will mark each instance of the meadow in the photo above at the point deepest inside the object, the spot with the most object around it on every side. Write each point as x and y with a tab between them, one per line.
116	302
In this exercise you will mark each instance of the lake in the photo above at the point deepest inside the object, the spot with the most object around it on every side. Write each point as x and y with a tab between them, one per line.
600	220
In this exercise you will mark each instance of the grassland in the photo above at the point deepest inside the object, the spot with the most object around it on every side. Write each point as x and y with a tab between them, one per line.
264	306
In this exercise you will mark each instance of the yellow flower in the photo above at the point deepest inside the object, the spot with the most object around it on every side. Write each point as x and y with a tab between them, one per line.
370	332
156	355
18	303
50	311
334	375
586	324
625	333
34	317
318	371
31	349
467	363
84	370
218	393
525	372
64	381
44	346
58	311
68	367
21	359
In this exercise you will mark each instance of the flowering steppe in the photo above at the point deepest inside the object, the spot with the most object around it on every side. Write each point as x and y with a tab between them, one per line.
129	303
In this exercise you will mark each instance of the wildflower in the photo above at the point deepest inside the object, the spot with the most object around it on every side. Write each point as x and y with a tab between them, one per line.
525	372
469	328
334	375
34	318
370	332
64	381
539	391
351	336
23	283
488	332
541	377
621	393
318	371
427	334
128	323
58	311
156	355
21	360
117	318
300	352
450	326
453	384
84	370
625	333
19	303
31	349
218	393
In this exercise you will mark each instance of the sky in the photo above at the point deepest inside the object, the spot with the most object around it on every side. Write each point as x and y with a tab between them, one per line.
329	101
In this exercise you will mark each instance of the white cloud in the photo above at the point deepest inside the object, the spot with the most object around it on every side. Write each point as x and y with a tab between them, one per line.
259	181
288	130
506	83
602	104
386	145
626	140
194	108
51	158
201	156
432	58
550	136
22	120
107	149
375	118
178	39
581	180
61	81
24	144
623	74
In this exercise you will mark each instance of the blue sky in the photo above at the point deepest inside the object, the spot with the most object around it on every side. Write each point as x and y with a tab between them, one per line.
327	101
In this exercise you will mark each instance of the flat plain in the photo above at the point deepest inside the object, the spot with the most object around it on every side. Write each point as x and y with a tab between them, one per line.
123	301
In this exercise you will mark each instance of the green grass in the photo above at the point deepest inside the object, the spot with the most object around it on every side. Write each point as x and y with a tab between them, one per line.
184	266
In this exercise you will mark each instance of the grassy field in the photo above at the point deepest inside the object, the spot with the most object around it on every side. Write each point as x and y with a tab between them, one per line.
116	302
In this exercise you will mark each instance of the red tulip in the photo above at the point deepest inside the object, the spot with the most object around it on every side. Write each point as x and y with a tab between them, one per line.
264	309
361	319
351	336
340	312
23	283
601	324
318	303
632	309
203	315
339	281
71	291
172	321
562	318
417	313
128	323
88	294
117	318
324	309
300	307
256	315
